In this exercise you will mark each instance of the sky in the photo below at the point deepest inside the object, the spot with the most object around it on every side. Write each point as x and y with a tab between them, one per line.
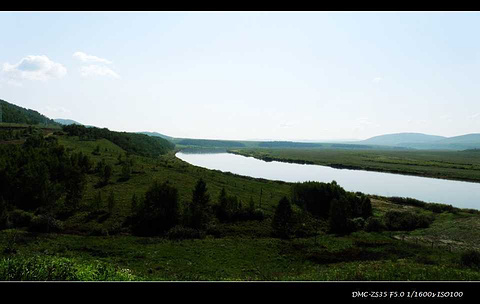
247	75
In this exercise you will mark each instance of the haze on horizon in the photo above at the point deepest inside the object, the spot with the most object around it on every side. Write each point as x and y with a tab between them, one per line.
247	75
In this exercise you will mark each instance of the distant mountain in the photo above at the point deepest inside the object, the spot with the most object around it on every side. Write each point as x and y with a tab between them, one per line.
11	113
67	122
426	142
156	134
462	142
402	139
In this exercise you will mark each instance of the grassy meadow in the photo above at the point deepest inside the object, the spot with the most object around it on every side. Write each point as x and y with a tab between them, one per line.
97	245
455	165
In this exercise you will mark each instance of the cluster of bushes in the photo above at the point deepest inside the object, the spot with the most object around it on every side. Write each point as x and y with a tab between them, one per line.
398	221
135	143
434	207
35	176
158	212
406	221
104	171
9	134
345	211
33	222
470	258
230	209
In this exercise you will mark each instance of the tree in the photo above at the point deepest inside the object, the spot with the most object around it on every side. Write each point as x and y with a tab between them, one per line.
111	202
282	223
97	201
199	208
107	174
134	203
340	213
75	186
126	170
159	210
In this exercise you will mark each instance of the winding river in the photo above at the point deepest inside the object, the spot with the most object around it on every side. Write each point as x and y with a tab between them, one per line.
456	193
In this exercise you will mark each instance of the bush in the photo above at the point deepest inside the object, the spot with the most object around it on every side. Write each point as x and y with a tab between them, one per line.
358	223
183	233
439	208
43	223
20	218
373	224
470	258
316	197
229	209
406	221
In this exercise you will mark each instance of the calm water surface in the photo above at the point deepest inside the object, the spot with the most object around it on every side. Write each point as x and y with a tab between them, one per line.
456	193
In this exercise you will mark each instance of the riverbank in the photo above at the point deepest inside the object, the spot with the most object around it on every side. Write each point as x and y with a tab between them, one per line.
450	165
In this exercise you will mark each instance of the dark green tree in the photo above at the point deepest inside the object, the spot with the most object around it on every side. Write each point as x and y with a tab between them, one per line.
158	211
107	174
339	216
111	202
282	222
199	213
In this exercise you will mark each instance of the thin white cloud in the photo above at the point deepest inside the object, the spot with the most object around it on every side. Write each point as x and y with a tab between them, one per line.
97	70
90	58
33	68
377	79
475	115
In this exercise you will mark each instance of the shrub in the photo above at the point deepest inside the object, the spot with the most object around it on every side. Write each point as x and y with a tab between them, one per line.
406	221
230	209
44	223
373	224
439	208
358	223
182	233
470	258
20	218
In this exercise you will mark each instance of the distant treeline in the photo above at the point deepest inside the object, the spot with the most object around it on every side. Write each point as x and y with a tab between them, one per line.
135	143
14	114
288	144
210	143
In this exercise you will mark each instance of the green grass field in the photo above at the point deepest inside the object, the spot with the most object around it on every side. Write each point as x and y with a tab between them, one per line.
97	246
455	165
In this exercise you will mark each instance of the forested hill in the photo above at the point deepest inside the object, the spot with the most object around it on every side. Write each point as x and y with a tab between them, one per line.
11	113
139	144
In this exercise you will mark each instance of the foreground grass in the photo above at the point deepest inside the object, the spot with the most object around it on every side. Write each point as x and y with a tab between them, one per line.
455	165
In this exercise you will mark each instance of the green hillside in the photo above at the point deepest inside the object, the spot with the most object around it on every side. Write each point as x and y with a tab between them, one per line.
10	113
140	144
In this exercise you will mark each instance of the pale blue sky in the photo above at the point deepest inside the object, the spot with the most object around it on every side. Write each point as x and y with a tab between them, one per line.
220	75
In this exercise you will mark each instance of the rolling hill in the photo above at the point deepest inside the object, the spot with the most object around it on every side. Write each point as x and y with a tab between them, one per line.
66	122
402	139
10	113
426	142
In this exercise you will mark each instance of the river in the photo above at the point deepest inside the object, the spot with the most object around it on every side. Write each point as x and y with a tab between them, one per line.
456	193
